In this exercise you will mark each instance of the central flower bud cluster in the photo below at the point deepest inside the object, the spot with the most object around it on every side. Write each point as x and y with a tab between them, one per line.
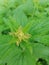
20	35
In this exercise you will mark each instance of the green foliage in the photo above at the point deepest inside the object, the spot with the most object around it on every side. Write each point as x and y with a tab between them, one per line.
24	32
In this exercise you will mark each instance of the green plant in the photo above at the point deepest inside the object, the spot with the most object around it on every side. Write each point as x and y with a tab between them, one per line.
24	32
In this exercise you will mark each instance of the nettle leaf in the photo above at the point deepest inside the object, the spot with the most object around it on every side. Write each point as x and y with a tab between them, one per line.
24	32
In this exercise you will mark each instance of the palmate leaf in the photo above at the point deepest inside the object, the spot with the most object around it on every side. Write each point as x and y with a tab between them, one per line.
15	55
41	52
25	14
43	39
41	26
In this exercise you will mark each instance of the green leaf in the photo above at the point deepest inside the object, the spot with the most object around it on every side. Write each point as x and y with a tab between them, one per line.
43	39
